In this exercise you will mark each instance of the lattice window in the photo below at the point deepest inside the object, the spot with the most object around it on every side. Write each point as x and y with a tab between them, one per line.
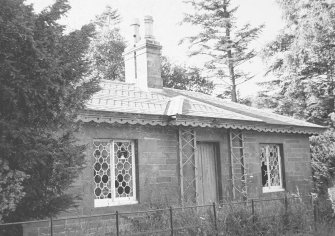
114	172
123	162
101	170
272	179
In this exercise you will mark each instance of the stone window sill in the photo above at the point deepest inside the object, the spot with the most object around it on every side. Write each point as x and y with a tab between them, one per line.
272	189
109	202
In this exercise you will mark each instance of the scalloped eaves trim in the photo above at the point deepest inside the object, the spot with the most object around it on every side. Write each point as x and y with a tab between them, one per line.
198	122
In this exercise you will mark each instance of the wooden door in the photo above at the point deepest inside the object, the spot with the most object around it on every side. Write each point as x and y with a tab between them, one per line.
207	173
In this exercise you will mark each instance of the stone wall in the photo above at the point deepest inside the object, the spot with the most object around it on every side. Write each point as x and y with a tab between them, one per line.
219	136
296	155
156	164
158	179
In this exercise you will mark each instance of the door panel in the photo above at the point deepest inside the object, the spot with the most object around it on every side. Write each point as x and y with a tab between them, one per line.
207	174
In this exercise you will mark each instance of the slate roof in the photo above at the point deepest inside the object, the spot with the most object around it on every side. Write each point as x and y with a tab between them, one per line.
119	97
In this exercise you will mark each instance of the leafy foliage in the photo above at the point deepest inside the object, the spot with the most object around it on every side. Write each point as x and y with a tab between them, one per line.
180	77
105	53
226	45
302	58
10	188
226	94
41	90
323	162
271	217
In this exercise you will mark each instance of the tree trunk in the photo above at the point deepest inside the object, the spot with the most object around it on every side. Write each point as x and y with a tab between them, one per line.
331	96
230	58
232	77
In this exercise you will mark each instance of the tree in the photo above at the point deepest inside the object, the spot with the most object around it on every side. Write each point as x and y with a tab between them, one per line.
226	94
323	169
107	47
42	86
303	58
180	77
221	40
323	162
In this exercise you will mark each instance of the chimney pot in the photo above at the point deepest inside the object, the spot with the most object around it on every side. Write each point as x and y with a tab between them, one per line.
148	24
136	29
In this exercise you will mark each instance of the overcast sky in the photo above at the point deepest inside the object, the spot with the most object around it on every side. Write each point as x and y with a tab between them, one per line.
167	15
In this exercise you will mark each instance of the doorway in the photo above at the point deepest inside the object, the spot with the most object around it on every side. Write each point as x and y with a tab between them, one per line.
207	171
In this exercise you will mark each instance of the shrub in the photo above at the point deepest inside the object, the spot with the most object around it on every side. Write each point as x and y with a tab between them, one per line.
271	217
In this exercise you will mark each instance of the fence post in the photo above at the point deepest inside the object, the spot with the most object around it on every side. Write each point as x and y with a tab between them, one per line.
51	227
171	221
315	215
117	222
215	218
286	204
253	215
253	210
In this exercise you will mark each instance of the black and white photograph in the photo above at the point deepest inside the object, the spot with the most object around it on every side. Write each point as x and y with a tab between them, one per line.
167	117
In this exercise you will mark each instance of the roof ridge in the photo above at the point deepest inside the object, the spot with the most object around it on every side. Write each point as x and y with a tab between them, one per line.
267	112
217	108
246	109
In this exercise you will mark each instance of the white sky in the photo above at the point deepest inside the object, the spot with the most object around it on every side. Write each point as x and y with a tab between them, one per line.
167	15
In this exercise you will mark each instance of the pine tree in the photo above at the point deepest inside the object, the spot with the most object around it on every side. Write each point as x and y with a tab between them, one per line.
302	58
185	78
42	86
105	53
222	41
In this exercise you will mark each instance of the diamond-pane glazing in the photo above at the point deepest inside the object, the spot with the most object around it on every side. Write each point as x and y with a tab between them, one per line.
270	160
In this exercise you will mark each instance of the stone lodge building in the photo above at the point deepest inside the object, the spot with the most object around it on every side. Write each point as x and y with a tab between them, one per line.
147	143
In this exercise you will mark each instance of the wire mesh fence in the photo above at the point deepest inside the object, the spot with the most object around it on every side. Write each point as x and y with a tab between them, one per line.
276	216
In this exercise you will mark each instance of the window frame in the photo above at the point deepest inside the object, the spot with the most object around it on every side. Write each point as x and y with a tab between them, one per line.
115	201
269	189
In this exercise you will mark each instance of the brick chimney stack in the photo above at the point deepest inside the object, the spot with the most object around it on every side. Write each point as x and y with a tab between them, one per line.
143	58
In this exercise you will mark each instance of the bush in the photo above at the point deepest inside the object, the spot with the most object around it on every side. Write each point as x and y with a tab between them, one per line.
274	217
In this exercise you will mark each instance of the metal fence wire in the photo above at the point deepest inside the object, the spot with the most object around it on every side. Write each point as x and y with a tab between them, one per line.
252	217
